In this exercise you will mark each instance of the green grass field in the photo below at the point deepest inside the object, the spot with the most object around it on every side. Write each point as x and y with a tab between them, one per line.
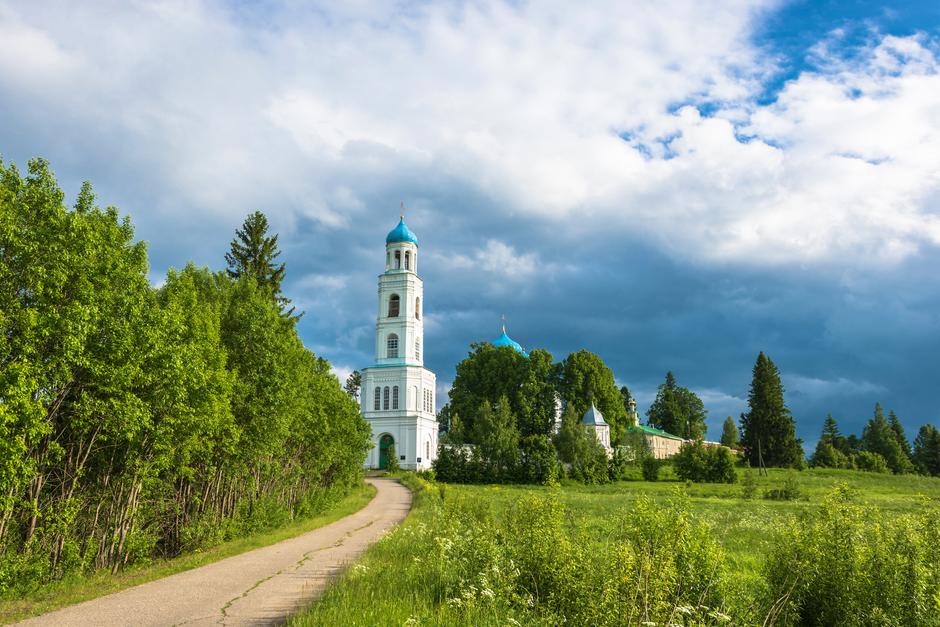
387	586
78	588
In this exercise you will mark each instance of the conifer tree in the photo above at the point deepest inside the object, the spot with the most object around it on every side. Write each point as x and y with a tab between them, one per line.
677	410
254	253
768	432
899	434
828	453
927	451
880	437
729	433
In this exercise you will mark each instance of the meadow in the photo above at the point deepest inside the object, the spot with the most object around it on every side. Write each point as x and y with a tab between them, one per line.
684	553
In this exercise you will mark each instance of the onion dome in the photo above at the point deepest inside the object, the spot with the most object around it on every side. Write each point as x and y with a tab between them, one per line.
401	233
505	340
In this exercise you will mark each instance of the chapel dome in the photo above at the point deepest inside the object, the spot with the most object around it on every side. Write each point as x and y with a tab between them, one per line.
401	233
505	340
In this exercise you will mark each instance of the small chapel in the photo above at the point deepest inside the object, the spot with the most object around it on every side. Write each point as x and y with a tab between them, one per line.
397	393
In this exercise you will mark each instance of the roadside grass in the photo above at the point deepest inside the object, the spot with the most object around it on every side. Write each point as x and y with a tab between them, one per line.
387	586
77	588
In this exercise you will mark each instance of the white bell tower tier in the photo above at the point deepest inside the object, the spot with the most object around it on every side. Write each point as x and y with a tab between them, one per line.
397	394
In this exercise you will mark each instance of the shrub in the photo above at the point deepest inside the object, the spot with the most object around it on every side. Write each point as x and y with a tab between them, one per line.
539	461
847	564
651	466
789	492
393	465
748	485
619	464
871	462
705	464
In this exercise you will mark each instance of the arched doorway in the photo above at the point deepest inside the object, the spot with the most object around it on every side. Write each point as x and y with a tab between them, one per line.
385	442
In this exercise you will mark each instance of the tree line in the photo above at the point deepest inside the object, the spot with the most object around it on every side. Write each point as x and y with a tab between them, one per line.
882	447
140	421
503	406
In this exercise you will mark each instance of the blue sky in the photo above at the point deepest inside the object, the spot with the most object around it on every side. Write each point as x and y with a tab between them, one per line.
672	185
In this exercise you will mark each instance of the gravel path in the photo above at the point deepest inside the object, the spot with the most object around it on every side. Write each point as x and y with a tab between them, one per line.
261	587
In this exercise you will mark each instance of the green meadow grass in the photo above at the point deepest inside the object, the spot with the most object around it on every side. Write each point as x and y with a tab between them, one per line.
77	588
386	586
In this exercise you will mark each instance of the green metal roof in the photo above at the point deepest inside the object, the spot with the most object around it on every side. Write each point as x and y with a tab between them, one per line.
654	431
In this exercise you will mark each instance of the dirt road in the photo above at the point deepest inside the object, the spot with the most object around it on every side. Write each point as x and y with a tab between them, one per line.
261	587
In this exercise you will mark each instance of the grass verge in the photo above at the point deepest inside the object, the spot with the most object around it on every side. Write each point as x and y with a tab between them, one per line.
75	589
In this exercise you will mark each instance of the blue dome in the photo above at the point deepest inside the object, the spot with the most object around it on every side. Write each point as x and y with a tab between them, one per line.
505	340
401	233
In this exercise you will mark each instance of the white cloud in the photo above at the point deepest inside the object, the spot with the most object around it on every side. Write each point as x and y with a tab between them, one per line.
495	257
213	110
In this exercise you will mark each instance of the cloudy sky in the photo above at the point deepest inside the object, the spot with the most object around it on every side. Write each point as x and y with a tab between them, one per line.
672	185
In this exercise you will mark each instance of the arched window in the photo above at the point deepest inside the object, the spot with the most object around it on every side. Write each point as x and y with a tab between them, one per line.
427	449
418	308
388	259
417	349
395	397
378	399
398	260
392	352
407	260
385	398
394	306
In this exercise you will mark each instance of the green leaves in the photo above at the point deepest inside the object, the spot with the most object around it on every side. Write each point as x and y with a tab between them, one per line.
128	414
677	410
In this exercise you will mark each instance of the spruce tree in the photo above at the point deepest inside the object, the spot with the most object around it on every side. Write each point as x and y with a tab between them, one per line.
927	451
899	434
254	253
729	433
677	410
768	432
880	437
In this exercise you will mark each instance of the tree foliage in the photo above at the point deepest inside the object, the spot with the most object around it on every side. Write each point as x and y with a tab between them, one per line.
583	378
927	450
729	433
254	253
768	433
677	410
884	438
139	421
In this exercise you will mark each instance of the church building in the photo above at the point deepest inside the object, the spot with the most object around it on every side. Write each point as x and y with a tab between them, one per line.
397	393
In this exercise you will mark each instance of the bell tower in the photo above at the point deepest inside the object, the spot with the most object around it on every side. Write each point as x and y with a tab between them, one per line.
397	395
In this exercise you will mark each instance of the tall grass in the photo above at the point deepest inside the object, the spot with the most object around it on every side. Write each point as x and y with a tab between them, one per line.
638	553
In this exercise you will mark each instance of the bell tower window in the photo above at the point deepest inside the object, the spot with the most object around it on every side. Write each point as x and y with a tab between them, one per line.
378	399
407	260
418	307
385	398
398	260
417	349
394	306
395	397
392	348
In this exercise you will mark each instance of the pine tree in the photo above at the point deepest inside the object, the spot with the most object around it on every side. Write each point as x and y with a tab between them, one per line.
828	454
353	384
768	432
830	431
254	253
729	433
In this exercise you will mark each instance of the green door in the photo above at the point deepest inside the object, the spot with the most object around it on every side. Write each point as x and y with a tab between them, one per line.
384	443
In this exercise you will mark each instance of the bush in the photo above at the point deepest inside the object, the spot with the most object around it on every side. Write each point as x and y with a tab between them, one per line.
871	462
651	466
851	565
789	492
619	465
705	464
539	461
748	485
393	465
